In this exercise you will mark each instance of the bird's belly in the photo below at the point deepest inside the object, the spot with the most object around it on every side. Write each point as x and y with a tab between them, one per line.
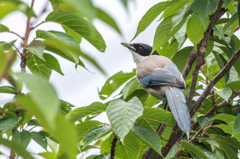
157	92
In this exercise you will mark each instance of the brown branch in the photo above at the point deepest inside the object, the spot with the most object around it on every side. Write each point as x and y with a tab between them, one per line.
114	142
188	66
222	104
15	34
205	93
201	50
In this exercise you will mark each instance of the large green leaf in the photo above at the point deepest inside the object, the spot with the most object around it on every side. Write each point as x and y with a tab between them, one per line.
94	134
225	142
165	31
149	136
80	25
3	28
193	148
168	50
61	41
180	14
225	117
230	21
130	148
172	151
22	138
153	116
114	82
236	125
16	147
107	19
40	139
8	89
83	127
226	128
43	95
122	115
195	30
8	6
151	14
7	123
204	8
38	66
225	93
79	113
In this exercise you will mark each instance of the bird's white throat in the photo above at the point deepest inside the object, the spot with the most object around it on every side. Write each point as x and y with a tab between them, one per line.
137	58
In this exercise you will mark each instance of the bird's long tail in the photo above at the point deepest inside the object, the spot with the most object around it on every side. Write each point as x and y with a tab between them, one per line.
178	107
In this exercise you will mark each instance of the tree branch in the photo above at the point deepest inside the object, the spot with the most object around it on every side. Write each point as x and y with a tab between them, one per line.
209	87
188	66
113	146
201	50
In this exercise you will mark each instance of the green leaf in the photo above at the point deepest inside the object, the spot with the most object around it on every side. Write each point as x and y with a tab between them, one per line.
193	148
61	41
48	155
151	14
225	142
52	62
22	138
16	147
226	2
130	148
130	87
83	127
236	125
238	14
221	62
114	82
149	136
36	48
40	139
225	117
80	25
180	35
43	95
176	19
38	67
172	152
94	134
180	58
202	120
195	30
234	85
7	123
209	154
230	22
72	33
79	113
8	6
8	89
204	8
226	128
122	115
168	50
165	31
152	117
3	28
107	19
225	93
218	31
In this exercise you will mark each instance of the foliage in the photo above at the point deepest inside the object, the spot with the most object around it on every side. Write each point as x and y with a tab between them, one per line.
138	122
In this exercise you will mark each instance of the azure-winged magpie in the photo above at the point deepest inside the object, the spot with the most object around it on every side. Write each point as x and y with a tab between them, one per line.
161	78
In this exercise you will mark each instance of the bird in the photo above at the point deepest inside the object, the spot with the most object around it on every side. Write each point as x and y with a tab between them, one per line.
161	78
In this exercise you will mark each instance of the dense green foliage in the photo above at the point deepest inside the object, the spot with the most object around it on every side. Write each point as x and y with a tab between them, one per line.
134	115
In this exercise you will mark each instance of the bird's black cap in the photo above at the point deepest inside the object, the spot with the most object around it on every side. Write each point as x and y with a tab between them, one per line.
140	48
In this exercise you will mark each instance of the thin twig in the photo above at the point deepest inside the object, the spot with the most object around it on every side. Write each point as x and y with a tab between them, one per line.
15	34
32	28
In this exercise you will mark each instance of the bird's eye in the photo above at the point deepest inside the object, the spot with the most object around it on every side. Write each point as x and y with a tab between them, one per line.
140	47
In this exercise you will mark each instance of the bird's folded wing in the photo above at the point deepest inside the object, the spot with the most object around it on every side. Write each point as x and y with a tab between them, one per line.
167	76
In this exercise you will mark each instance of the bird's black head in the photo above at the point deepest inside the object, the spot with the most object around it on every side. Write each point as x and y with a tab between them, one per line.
140	48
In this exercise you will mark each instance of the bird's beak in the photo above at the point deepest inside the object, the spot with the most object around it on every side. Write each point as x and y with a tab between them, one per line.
129	46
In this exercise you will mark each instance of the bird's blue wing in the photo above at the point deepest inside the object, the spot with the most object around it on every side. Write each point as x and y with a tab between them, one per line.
167	76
